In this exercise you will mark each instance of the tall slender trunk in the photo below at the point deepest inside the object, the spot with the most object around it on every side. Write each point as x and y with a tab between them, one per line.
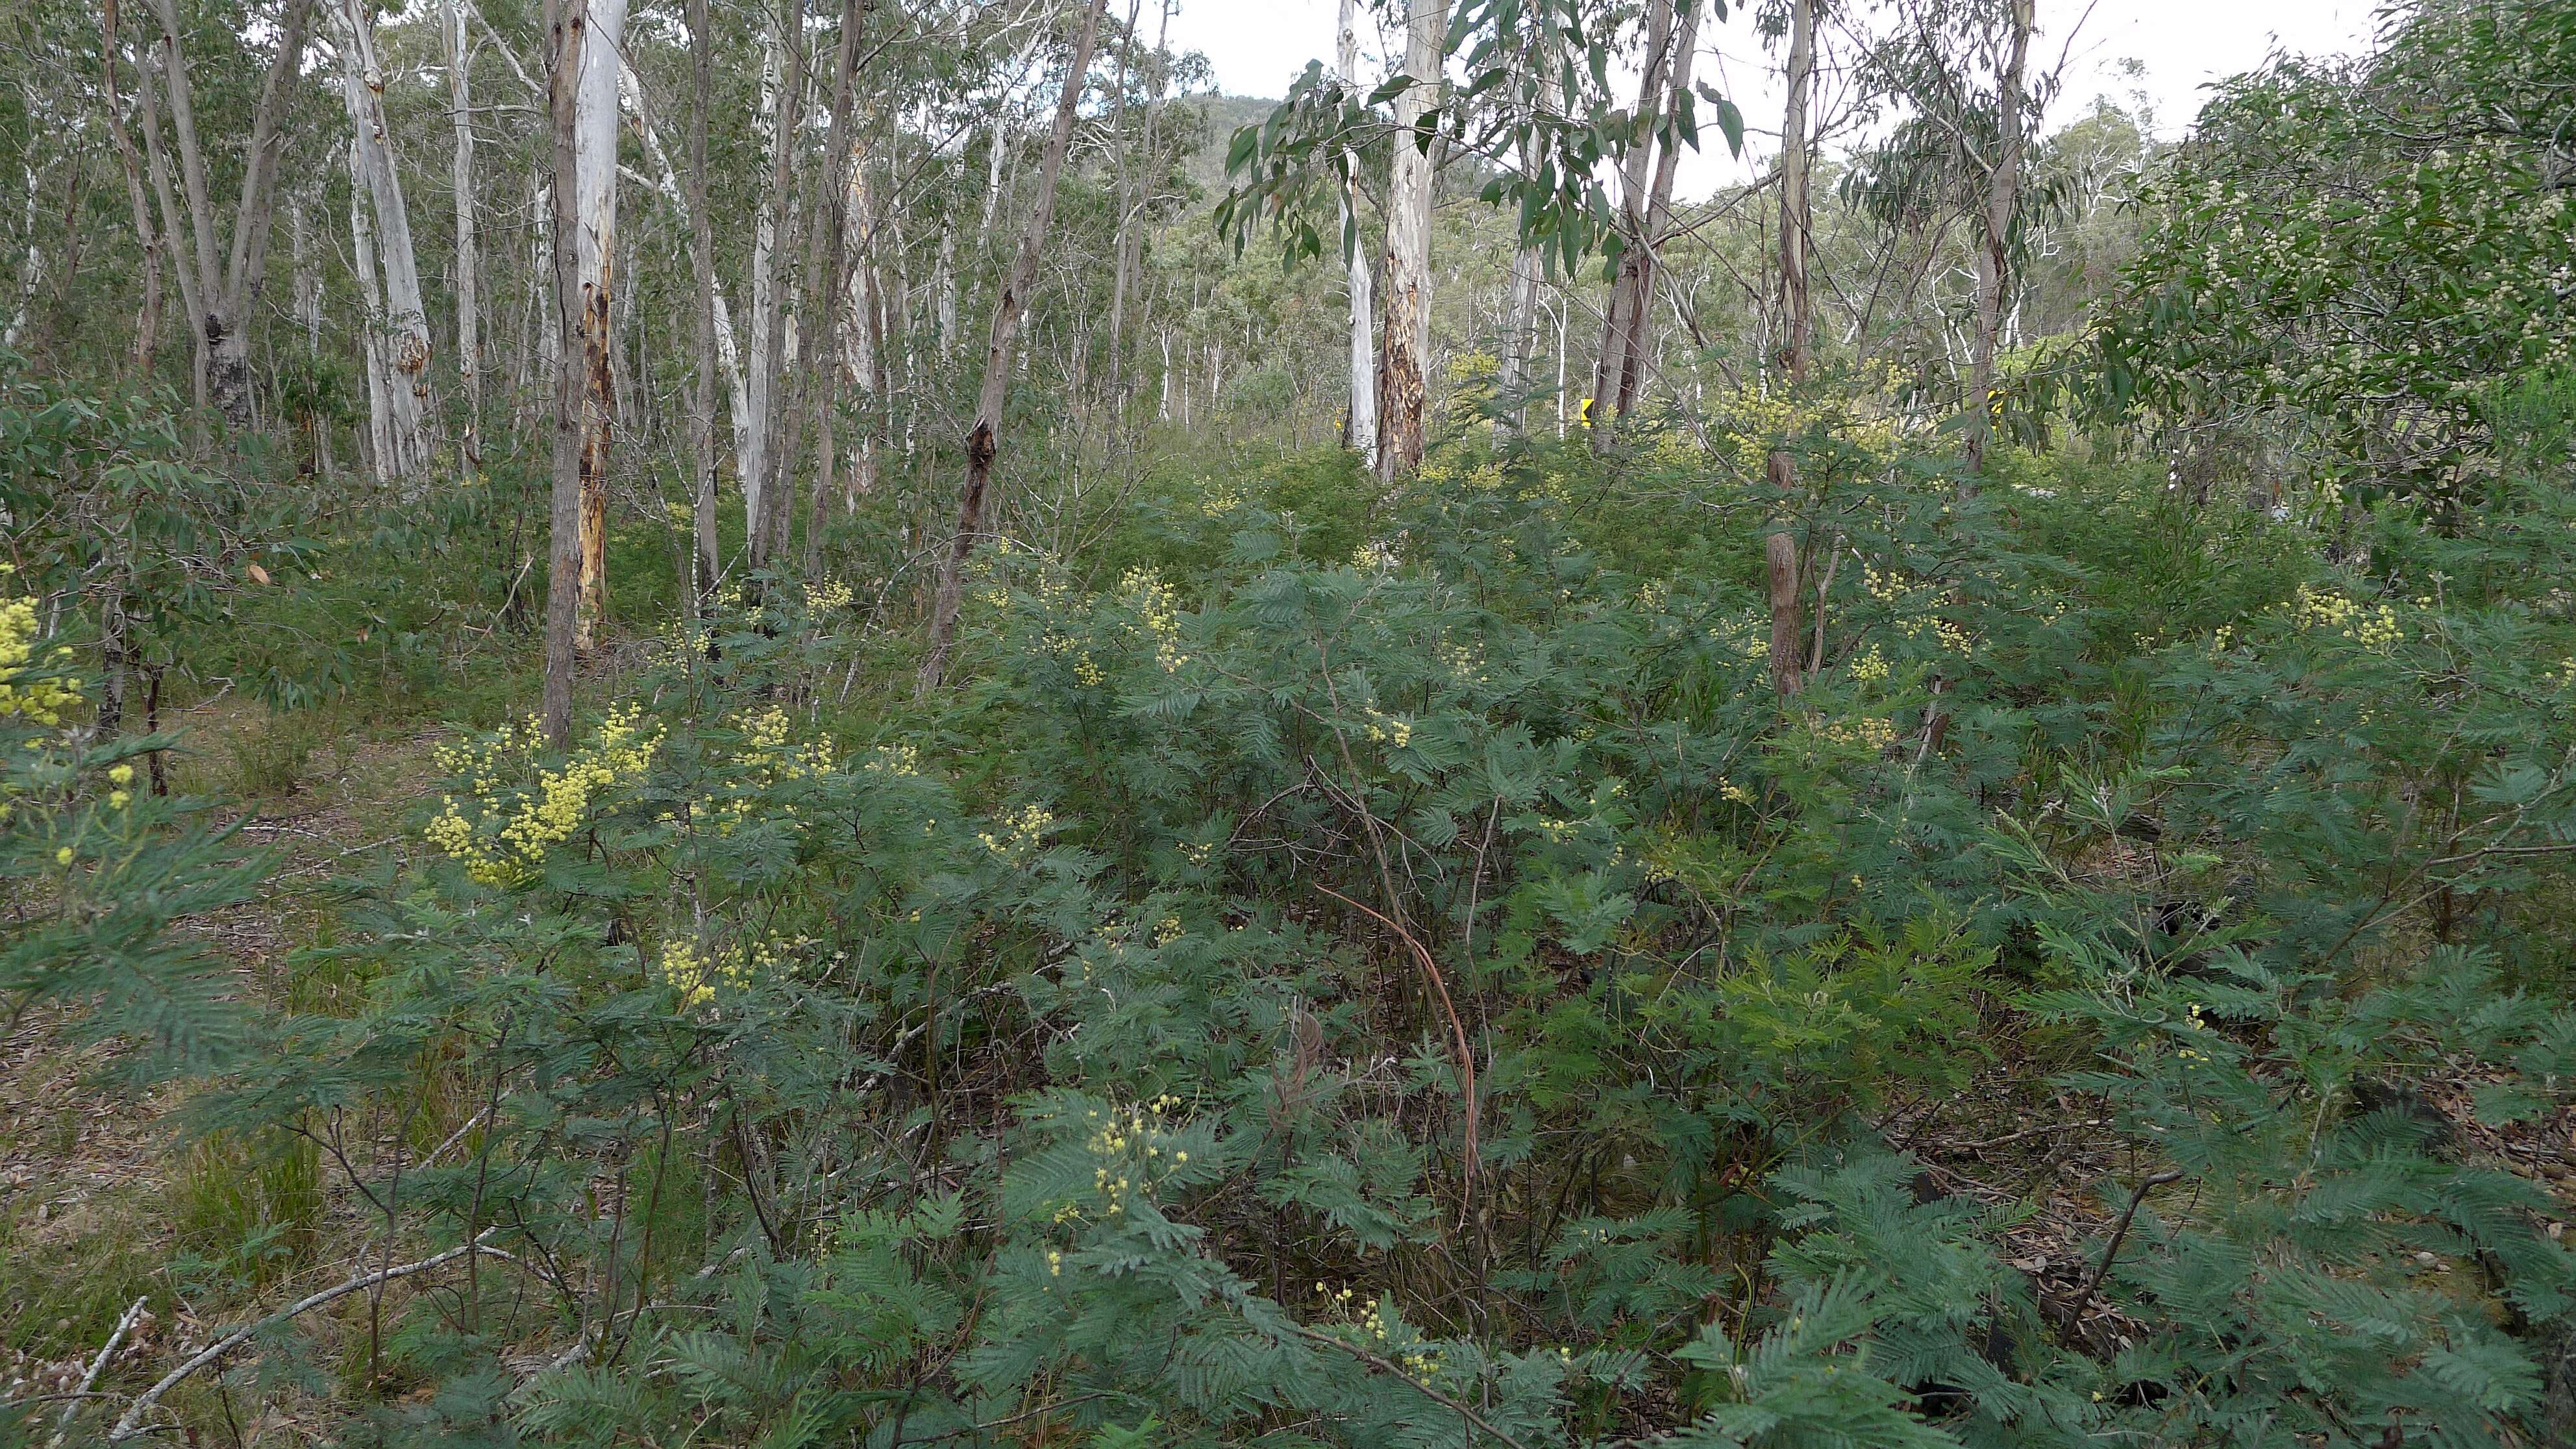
31	275
984	439
1404	375
782	92
172	220
307	280
147	320
1126	202
1638	267
405	320
1520	324
826	240
567	24
469	342
226	286
702	256
2003	198
1796	325
372	361
1622	324
728	351
594	239
1362	431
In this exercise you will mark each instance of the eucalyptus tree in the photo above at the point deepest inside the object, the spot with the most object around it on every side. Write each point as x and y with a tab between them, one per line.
218	284
1544	140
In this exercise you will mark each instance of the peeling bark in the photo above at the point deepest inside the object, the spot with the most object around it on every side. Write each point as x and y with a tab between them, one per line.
1405	309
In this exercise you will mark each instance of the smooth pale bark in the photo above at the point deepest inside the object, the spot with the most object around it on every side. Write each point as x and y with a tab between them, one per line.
469	341
826	242
1362	431
567	27
372	363
2003	197
782	91
1637	268
404	321
1405	310
706	315
226	285
157	166
1622	324
147	320
983	441
594	218
1797	321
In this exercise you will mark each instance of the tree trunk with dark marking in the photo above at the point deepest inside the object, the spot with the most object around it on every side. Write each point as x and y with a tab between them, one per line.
983	440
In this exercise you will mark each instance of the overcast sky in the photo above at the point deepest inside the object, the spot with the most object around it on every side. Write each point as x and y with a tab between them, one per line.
1257	46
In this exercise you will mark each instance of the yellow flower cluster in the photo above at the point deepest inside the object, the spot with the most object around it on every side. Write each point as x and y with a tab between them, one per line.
904	760
509	828
1466	661
2370	628
695	973
41	700
1745	636
1221	500
1756	422
1138	1141
1022	829
1866	731
1158	611
824	595
1388	729
1868	666
766	759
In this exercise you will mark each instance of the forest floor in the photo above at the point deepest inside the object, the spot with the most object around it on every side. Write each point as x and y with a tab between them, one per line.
99	1192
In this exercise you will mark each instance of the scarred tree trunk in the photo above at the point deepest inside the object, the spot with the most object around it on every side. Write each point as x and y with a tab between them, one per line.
1405	311
2003	197
1796	324
1364	384
567	24
983	440
594	238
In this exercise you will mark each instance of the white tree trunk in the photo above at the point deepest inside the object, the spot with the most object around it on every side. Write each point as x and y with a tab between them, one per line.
371	332
31	276
405	344
469	341
1363	429
753	454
